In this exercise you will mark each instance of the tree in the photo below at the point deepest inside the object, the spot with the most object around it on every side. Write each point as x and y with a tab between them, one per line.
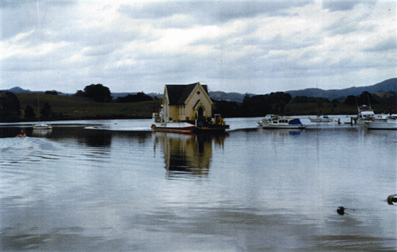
29	113
9	107
351	100
139	97
98	92
51	92
279	99
367	98
79	93
46	112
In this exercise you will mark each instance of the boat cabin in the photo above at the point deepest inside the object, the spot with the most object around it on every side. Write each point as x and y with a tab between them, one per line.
186	103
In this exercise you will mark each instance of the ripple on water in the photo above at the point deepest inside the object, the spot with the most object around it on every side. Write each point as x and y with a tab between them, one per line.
17	150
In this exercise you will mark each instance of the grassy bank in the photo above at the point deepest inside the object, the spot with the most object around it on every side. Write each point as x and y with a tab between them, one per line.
70	107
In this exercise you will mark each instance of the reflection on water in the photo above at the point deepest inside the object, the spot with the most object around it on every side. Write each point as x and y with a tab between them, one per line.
251	190
97	139
187	153
42	132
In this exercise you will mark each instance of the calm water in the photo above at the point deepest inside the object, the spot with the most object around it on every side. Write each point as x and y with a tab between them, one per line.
81	189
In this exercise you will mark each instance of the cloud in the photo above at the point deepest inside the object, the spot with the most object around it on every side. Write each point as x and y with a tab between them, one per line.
210	12
339	5
230	45
382	45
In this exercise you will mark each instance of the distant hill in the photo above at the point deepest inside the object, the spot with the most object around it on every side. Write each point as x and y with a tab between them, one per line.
18	90
384	86
124	94
223	96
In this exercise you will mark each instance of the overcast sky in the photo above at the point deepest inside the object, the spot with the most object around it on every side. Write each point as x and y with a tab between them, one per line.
232	46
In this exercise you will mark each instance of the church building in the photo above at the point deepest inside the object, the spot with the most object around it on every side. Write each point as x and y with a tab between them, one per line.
186	102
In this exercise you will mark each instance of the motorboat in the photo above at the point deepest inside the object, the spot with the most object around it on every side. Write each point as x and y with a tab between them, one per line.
365	114
388	123
181	127
214	125
280	122
159	124
322	118
42	126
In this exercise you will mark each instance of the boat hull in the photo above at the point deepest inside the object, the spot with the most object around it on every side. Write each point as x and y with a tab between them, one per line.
175	127
268	126
212	129
42	126
279	122
320	120
382	124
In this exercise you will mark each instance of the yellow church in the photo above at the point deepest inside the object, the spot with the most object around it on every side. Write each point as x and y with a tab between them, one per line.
186	103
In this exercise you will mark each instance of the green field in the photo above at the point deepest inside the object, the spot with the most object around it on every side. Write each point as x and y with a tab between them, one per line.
74	108
71	107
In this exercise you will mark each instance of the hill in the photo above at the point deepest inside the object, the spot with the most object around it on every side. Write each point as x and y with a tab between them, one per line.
331	94
223	96
384	86
18	90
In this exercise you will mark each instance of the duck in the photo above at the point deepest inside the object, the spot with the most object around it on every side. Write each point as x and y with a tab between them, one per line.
341	210
391	198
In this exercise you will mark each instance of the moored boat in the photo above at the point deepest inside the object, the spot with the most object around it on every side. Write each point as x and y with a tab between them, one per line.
389	123
214	125
42	126
280	122
323	118
169	126
365	114
181	127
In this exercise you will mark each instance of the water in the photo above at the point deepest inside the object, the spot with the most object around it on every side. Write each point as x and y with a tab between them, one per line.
128	189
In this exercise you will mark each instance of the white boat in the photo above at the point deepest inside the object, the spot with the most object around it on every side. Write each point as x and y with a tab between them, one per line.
42	126
280	122
365	114
160	125
389	123
323	118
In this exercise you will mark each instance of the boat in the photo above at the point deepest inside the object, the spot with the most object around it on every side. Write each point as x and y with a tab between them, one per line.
365	114
322	118
388	123
181	127
42	126
170	126
280	122
214	125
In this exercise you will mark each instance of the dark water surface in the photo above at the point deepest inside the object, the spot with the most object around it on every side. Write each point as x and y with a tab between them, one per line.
79	189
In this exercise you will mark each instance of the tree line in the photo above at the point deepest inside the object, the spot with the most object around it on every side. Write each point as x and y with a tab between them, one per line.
257	105
100	93
275	103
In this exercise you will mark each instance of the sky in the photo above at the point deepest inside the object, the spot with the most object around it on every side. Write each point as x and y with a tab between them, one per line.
232	46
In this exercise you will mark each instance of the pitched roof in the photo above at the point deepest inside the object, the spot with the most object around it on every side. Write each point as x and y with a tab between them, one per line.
177	94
